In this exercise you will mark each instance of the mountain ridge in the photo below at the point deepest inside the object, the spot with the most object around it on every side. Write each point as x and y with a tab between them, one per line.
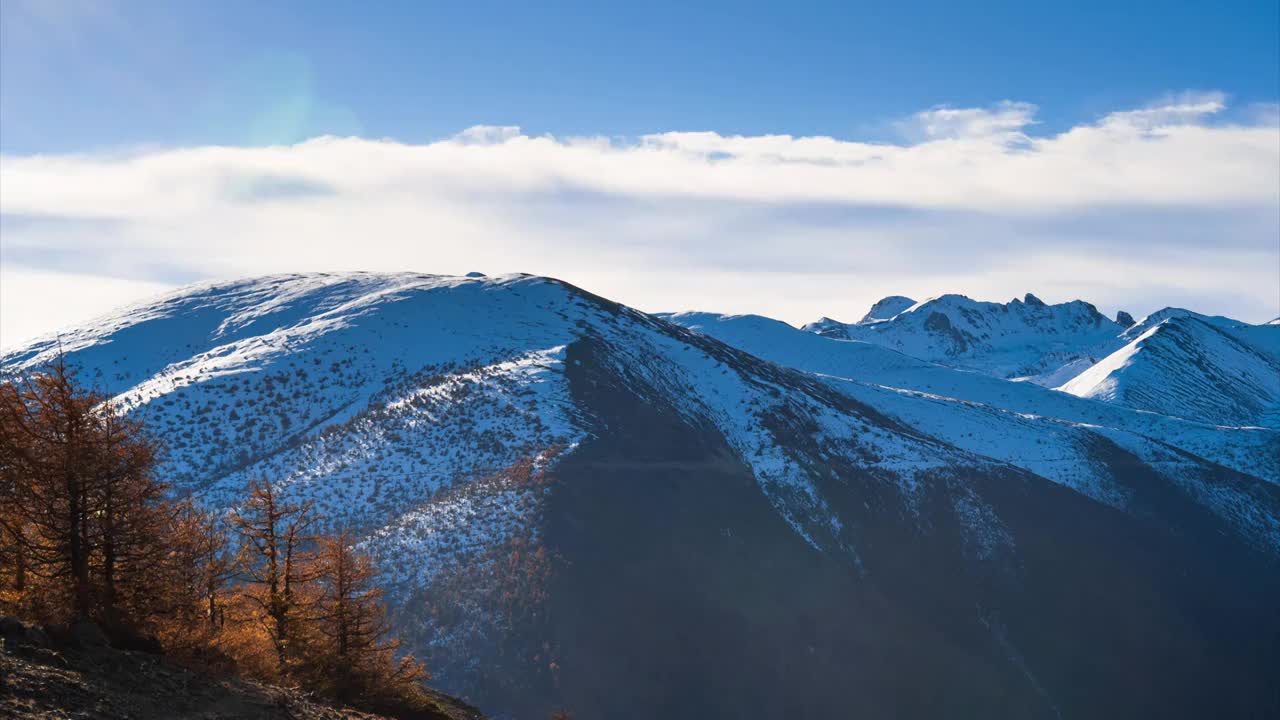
1057	346
1023	338
1200	370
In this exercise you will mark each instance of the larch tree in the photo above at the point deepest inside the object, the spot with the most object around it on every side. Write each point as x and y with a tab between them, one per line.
355	653
274	536
131	519
13	523
202	566
82	509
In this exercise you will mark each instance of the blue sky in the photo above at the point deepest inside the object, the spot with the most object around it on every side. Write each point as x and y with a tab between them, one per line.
789	159
79	75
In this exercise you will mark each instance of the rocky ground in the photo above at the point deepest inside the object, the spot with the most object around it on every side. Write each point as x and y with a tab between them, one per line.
53	672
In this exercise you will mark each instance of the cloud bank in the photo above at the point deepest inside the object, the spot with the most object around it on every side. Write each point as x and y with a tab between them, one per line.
1168	204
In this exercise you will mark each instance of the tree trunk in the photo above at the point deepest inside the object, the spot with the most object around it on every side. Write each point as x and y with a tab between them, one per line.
78	550
108	557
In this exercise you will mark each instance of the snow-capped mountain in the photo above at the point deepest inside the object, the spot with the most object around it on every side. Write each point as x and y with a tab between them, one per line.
1074	348
1023	339
579	505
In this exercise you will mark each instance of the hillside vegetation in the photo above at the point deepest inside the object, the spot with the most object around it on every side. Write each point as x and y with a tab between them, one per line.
95	550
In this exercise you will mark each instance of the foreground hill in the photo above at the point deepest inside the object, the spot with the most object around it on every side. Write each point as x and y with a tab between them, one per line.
580	505
42	676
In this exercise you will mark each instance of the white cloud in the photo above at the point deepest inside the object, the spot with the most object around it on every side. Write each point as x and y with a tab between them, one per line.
1004	123
34	302
1159	205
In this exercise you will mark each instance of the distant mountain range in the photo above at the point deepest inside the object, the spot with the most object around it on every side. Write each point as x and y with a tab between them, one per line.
950	508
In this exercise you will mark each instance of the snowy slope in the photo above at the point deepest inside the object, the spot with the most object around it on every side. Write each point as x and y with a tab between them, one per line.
1026	339
1186	367
261	364
373	393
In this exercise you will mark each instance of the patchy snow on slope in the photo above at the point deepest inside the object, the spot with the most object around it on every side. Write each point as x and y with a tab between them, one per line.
1252	510
777	430
1055	450
419	438
457	526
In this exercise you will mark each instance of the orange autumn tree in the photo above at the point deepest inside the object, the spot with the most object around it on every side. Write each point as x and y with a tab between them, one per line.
275	538
352	647
200	571
80	509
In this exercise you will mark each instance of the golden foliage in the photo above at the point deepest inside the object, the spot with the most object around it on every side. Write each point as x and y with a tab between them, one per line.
88	533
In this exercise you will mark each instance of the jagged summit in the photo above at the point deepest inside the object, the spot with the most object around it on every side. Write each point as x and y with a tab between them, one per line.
1024	338
1124	319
